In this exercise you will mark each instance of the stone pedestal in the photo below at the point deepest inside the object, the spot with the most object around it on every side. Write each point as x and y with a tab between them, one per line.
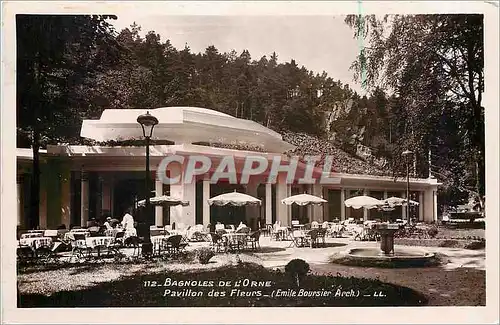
387	243
386	231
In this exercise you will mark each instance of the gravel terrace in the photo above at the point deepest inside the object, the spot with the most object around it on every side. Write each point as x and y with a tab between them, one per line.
459	282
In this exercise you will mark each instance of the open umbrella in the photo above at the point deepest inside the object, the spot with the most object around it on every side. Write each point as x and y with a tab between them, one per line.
303	199
363	201
397	201
164	200
233	198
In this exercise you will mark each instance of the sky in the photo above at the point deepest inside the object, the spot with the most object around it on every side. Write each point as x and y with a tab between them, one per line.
320	43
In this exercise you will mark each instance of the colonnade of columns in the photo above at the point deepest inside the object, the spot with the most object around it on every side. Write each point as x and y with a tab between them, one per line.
427	209
283	212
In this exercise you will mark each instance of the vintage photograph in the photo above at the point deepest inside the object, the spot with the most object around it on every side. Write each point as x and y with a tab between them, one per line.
250	161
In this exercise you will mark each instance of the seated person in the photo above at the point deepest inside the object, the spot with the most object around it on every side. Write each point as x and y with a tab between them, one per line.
92	223
107	224
114	223
241	225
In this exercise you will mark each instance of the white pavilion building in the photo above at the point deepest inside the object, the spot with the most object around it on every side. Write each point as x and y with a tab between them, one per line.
83	182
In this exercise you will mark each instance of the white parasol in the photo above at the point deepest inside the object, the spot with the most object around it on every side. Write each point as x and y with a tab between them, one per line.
233	198
363	201
303	199
164	200
397	201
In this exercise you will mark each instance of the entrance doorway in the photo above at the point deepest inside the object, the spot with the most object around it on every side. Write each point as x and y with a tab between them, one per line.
126	193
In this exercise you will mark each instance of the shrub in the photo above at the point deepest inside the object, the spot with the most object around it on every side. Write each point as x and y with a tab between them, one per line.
204	255
185	257
432	232
449	243
297	269
476	245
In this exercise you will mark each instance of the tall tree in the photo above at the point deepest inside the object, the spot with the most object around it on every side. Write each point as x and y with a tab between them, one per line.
55	55
434	64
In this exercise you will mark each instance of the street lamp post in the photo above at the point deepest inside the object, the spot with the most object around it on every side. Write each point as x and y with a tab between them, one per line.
147	122
407	153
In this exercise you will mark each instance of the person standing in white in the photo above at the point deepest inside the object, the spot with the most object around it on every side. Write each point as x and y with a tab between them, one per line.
128	224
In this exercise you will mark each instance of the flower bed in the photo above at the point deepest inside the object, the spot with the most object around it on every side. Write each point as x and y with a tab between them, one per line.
245	285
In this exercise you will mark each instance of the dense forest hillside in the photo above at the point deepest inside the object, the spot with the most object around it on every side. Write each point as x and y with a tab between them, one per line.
70	69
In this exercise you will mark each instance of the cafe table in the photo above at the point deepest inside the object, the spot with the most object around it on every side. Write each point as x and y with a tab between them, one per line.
69	236
282	233
159	241
31	235
235	240
98	242
299	238
36	242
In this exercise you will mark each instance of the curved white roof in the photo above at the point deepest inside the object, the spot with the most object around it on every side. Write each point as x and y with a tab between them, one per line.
184	125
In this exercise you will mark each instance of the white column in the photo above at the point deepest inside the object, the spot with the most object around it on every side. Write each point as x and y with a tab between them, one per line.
365	210
309	208
20	209
421	206
158	208
206	206
434	206
269	203
281	193
190	211
187	192
428	205
252	211
84	195
289	207
317	210
403	208
342	205
176	190
385	195
326	208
